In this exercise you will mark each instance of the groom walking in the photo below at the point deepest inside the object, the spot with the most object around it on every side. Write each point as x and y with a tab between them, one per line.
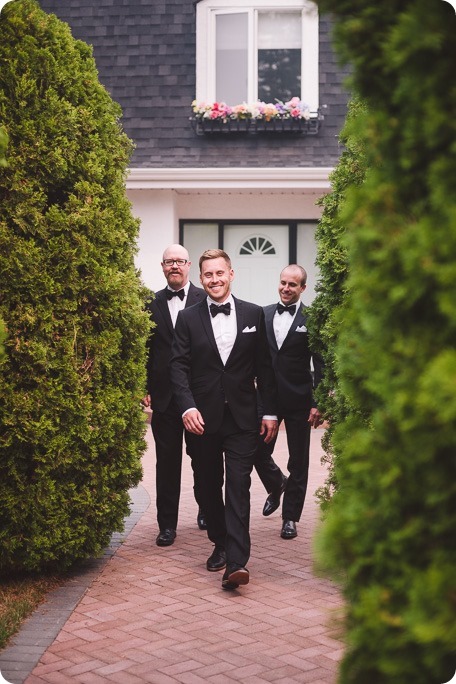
219	354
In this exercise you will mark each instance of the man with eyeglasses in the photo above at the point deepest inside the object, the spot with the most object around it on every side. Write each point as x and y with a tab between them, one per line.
166	421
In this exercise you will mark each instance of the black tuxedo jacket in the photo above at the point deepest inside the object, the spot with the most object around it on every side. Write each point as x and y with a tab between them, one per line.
292	363
201	380
159	346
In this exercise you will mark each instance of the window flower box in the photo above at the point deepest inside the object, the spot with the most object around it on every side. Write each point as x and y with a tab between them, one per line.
308	126
289	117
203	126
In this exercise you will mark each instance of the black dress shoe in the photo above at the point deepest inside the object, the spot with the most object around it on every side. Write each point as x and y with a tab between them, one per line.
288	530
273	501
217	560
201	520
234	577
166	537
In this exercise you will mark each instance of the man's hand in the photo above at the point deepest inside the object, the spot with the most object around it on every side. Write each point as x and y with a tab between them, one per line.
145	401
315	417
193	422
269	429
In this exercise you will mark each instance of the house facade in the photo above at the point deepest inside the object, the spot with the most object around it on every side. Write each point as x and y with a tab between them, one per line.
247	182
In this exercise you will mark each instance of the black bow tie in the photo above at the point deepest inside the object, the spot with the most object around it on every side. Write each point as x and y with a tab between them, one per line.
175	293
291	309
223	308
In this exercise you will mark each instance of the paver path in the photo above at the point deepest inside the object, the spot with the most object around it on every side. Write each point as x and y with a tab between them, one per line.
156	615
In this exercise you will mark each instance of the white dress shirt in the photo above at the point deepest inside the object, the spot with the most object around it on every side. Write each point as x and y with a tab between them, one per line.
224	327
282	324
175	304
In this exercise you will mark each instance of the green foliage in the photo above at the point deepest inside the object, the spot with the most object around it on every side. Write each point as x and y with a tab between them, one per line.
72	430
332	260
2	340
389	533
3	146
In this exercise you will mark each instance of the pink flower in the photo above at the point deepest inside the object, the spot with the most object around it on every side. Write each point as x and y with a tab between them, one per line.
294	108
294	103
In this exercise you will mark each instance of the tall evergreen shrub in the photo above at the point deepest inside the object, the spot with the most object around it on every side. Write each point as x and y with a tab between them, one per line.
325	311
2	340
3	146
71	426
390	529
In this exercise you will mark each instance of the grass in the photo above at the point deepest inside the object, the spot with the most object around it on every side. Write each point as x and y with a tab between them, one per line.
19	596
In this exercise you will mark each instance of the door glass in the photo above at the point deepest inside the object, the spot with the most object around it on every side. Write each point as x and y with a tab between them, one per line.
197	238
307	255
258	254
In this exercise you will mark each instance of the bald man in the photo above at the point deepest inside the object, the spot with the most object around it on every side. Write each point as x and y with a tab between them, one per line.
291	358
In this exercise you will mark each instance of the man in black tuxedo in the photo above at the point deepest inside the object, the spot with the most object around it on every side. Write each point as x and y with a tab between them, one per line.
166	420
220	352
291	358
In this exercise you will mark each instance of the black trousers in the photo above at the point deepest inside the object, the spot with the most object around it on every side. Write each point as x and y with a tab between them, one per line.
168	432
228	523
267	469
298	441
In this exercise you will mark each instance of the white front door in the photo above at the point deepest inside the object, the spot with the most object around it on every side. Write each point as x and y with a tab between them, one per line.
258	254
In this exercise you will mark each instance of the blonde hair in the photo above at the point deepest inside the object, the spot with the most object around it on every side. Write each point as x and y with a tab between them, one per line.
214	254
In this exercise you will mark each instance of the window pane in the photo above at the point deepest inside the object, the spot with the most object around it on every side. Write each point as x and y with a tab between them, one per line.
231	58
279	75
279	30
279	55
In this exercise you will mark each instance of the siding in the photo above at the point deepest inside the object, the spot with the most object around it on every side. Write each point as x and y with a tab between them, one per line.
145	55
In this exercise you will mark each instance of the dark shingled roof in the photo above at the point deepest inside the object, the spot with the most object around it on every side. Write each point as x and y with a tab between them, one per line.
145	55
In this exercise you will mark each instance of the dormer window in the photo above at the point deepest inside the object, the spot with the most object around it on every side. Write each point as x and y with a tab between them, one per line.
257	50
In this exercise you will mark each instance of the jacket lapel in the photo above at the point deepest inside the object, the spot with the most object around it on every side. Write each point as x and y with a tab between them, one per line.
240	317
162	305
269	312
207	326
193	296
298	320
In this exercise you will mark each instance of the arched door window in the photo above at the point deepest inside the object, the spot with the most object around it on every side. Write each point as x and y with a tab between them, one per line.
257	246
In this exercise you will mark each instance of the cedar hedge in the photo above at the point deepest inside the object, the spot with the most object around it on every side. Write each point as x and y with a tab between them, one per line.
2	340
389	532
3	146
3	162
332	288
71	425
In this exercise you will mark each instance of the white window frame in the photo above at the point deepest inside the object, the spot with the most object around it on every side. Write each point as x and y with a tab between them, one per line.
206	12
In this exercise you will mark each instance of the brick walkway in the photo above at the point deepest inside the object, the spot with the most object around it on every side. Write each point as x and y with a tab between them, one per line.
153	614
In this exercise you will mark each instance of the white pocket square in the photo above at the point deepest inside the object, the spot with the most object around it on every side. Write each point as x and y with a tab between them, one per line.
247	329
301	328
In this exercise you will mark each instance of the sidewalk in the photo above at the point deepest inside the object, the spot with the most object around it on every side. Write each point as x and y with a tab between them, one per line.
149	614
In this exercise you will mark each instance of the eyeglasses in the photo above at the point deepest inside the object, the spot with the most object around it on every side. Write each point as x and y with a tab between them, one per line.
179	262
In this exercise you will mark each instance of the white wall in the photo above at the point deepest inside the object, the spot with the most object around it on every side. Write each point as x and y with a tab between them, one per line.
159	228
